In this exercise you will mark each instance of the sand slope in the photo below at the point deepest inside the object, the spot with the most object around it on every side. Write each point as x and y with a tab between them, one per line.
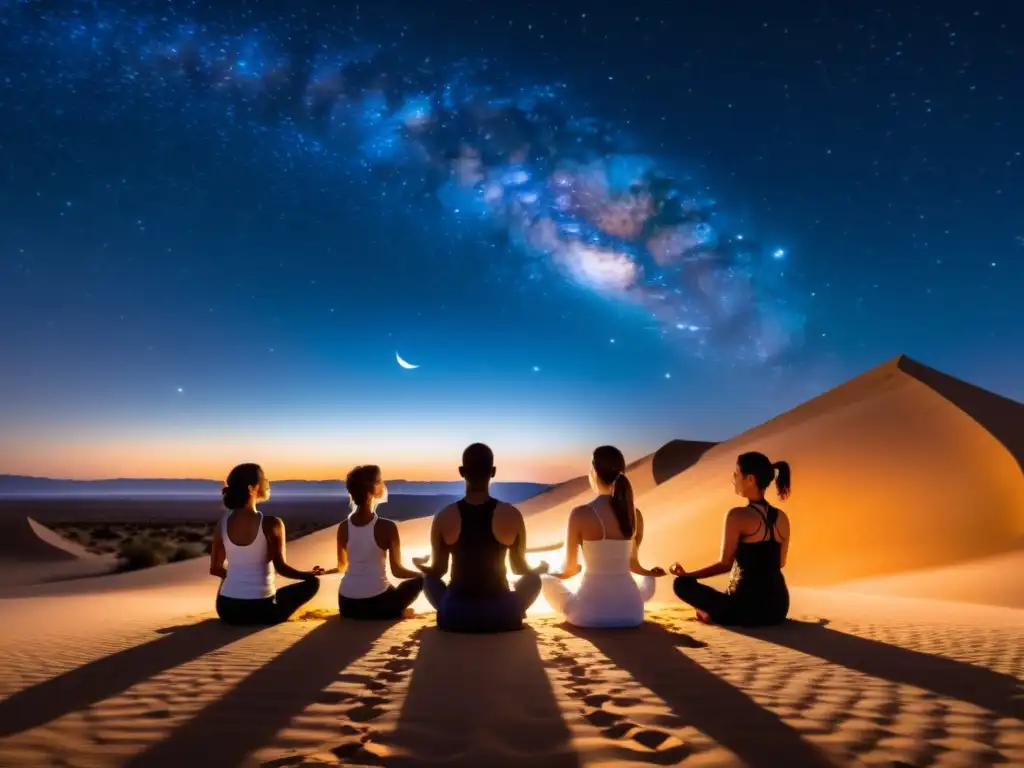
23	540
889	476
138	682
994	580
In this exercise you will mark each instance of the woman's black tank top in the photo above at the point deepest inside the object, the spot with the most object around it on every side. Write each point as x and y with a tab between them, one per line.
758	569
478	559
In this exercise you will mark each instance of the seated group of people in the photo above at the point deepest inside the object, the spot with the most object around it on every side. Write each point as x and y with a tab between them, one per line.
477	535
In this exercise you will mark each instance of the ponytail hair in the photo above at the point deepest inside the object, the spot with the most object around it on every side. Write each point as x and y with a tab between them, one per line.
764	472
622	505
782	479
235	493
610	468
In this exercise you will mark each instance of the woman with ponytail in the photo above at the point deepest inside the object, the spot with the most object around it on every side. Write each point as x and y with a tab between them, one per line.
247	548
609	530
754	549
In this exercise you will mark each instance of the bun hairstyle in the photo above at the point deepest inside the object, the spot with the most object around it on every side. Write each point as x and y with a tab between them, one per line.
360	483
610	468
764	472
235	492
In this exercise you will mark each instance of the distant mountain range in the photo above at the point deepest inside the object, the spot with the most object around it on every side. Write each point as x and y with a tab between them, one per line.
24	486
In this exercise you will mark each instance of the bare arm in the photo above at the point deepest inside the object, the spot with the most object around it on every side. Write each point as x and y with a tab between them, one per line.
343	546
785	546
398	570
438	550
276	539
573	540
730	540
517	552
217	555
634	557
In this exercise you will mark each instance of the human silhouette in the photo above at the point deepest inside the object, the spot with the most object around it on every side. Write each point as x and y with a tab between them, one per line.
248	547
754	547
479	535
363	541
609	530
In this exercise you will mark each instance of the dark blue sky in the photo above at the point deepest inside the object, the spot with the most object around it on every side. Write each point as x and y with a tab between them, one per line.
218	225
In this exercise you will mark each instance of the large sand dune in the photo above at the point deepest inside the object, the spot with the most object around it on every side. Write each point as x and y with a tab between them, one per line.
889	476
905	482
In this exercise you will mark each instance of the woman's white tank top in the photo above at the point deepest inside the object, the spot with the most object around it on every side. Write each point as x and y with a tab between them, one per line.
250	573
606	557
366	575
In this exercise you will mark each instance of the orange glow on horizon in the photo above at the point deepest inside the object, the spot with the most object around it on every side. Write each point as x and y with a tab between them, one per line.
203	461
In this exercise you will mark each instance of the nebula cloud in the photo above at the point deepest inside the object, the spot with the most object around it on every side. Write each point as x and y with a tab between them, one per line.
573	198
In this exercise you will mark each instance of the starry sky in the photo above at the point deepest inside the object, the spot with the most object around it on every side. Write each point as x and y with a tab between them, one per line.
583	222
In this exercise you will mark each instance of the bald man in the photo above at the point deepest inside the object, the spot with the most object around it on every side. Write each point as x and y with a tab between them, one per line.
479	534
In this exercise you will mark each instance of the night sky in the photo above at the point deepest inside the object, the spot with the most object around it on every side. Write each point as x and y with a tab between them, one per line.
219	223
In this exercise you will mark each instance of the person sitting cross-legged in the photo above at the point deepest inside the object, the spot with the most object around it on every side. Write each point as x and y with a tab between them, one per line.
478	535
609	531
755	544
363	541
248	547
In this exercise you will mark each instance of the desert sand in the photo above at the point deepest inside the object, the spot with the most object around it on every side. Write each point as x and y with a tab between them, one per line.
908	516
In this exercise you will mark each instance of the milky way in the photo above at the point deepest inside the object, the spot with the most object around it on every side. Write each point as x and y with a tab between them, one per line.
571	194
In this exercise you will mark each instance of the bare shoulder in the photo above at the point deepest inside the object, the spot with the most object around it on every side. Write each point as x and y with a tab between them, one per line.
508	512
576	513
273	526
444	519
783	519
447	513
737	514
389	527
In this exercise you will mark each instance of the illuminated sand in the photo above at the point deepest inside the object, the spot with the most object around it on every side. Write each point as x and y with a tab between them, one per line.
134	682
130	670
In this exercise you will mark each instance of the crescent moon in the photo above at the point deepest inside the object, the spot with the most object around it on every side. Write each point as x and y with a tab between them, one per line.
408	366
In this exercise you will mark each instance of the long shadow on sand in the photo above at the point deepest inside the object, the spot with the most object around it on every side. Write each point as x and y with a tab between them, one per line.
480	700
110	675
993	691
726	714
247	717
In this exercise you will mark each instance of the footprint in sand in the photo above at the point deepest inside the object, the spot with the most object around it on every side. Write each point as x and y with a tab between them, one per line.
372	690
656	746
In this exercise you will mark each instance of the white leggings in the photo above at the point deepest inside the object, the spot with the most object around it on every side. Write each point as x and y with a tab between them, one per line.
591	608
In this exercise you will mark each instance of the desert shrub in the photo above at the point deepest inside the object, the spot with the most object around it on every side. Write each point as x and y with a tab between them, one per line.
143	553
193	535
105	533
185	552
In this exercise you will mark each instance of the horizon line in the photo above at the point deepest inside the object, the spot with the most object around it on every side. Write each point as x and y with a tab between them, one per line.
211	480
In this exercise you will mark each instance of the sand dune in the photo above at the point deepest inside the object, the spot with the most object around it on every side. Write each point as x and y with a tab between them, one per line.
889	477
30	553
994	580
24	540
906	483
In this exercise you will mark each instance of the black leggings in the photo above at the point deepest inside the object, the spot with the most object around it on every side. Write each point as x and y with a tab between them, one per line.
389	604
503	613
269	610
726	609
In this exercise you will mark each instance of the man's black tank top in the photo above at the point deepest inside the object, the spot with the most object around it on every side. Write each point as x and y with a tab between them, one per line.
478	559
